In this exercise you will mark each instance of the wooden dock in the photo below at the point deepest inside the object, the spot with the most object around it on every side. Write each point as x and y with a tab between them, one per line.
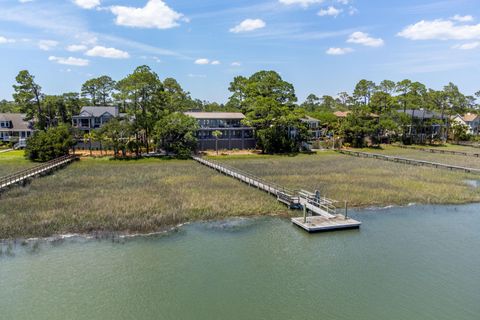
22	176
319	223
324	213
408	161
452	152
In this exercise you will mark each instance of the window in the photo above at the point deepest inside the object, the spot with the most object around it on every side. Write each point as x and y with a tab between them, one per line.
248	134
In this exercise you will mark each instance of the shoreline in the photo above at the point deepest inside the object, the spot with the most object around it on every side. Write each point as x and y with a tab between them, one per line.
125	235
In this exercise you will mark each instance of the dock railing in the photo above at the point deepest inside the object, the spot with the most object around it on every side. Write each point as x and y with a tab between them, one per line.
324	203
247	177
409	161
20	176
452	152
295	199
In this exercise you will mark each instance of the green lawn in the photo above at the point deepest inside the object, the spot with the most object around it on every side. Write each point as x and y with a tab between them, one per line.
13	161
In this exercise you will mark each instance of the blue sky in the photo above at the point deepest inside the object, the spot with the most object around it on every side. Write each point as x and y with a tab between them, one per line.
322	47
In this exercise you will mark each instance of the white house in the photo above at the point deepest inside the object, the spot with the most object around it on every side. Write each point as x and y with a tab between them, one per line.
14	127
471	120
91	118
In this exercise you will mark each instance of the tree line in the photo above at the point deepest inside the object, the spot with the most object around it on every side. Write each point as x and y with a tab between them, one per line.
154	109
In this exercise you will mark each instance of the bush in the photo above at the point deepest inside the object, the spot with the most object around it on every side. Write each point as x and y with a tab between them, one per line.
50	144
176	133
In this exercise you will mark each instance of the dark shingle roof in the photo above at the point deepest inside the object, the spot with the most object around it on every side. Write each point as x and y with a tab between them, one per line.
423	114
18	122
216	115
99	111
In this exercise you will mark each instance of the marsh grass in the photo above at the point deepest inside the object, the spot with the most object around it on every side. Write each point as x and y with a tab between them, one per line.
102	196
457	160
360	181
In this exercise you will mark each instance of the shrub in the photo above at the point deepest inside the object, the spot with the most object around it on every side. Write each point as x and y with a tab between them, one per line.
50	144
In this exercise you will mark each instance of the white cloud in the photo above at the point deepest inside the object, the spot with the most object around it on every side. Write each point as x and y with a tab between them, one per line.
71	61
440	30
25	1
87	4
155	14
365	39
99	51
6	40
467	46
303	3
202	61
338	51
76	47
191	75
352	11
330	11
248	25
460	18
47	44
344	2
215	62
236	64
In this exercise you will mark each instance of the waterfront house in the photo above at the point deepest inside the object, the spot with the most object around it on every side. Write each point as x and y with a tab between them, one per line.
234	135
315	131
425	125
91	118
14	127
470	120
314	127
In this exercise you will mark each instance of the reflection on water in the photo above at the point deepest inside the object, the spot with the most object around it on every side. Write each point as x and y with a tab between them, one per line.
418	262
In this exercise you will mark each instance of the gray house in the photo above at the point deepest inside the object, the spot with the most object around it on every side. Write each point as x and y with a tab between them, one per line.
14	127
425	125
234	134
91	118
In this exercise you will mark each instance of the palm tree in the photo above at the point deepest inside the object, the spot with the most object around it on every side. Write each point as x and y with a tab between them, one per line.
89	137
216	134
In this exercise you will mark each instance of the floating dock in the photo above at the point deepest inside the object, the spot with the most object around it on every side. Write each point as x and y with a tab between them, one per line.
319	213
320	223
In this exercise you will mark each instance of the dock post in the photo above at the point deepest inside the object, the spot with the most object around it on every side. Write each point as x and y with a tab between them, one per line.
304	213
346	210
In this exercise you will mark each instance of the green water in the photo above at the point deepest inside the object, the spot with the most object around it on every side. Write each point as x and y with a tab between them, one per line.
405	263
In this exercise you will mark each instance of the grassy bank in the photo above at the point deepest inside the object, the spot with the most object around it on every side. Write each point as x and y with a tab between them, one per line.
13	161
101	195
127	196
362	182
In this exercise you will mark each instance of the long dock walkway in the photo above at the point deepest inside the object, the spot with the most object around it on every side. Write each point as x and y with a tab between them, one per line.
21	176
452	152
408	161
325	214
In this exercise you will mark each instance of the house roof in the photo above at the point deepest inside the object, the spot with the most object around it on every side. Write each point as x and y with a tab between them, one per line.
422	114
342	114
309	119
216	115
470	117
96	112
18	122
